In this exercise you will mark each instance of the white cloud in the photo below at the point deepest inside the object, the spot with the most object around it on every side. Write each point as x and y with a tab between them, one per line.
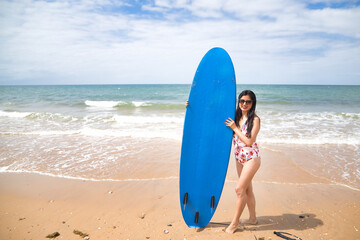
163	41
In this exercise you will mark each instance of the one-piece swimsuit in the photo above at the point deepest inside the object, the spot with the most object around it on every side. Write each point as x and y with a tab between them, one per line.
242	152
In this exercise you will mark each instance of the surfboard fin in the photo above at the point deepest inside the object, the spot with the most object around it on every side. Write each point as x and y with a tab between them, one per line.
185	199
212	204
196	217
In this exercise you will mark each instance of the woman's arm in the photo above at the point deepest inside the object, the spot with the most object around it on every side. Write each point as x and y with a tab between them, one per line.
254	132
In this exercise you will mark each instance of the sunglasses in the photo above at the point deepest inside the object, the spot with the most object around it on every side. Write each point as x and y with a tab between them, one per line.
242	101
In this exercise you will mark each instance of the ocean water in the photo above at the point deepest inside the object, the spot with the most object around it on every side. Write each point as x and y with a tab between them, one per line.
89	131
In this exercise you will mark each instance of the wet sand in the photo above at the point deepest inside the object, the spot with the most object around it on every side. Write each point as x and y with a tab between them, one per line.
288	199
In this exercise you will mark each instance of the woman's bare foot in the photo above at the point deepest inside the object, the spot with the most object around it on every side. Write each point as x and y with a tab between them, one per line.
248	222
232	228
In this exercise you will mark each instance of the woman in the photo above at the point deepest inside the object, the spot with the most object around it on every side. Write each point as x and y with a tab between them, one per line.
246	127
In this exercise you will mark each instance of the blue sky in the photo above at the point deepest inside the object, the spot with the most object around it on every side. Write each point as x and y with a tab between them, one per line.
163	41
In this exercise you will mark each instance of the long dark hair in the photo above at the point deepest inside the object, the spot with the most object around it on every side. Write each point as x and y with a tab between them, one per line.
251	113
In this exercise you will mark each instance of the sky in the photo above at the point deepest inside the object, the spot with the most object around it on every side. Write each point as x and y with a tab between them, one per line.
163	41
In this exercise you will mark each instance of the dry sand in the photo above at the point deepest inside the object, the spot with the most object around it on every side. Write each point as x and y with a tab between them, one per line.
288	199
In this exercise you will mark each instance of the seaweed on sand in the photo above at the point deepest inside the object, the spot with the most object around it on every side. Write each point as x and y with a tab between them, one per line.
53	235
81	234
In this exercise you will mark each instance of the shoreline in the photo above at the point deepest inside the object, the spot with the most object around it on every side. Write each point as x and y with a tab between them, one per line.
330	183
280	164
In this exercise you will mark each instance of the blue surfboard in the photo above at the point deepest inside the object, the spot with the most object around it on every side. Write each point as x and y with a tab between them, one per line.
206	142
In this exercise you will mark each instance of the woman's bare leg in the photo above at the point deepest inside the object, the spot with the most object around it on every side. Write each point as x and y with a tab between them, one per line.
239	168
247	173
250	201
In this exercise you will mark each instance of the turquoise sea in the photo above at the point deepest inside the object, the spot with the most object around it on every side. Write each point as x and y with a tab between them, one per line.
58	130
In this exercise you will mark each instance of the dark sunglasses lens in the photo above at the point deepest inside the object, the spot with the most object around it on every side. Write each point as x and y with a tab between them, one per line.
245	101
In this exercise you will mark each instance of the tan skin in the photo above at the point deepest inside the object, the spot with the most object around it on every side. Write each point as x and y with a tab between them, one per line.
246	171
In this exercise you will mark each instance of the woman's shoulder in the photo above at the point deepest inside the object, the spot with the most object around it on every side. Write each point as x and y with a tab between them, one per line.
256	118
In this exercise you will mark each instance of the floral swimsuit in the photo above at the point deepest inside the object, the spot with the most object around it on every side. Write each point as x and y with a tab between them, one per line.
242	152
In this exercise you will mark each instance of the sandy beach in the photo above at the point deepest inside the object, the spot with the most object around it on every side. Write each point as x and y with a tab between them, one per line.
289	199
